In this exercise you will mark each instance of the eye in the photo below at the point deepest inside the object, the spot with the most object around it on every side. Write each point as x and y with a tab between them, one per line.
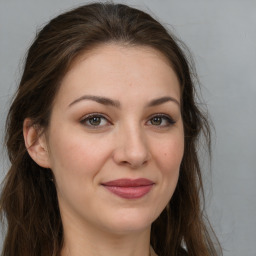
161	120
95	121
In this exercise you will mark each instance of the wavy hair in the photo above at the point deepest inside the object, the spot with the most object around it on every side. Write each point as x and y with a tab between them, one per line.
28	201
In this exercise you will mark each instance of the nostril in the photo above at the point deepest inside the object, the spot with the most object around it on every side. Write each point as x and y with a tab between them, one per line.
124	163
133	164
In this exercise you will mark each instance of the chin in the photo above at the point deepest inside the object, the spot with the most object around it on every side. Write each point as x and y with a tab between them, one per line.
131	220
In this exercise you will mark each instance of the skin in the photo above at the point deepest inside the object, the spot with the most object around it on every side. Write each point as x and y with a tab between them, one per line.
124	141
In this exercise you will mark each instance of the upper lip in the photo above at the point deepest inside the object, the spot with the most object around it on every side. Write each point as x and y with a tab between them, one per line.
129	182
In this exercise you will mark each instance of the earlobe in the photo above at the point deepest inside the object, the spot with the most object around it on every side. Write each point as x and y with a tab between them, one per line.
35	144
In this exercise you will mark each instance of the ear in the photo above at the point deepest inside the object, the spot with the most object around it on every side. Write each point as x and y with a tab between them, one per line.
36	144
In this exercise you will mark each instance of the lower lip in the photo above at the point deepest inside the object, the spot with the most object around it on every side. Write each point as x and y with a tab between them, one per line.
130	192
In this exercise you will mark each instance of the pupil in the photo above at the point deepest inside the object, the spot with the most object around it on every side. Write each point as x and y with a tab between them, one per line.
95	120
156	121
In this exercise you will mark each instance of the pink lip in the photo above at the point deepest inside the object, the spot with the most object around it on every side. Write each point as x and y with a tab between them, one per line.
128	188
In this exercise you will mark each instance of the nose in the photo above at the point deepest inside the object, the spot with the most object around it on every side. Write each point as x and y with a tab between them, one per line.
131	148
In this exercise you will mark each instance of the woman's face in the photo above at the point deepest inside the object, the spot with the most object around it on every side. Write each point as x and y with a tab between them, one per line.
115	140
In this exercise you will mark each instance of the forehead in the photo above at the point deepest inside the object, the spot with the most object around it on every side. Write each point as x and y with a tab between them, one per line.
113	69
113	49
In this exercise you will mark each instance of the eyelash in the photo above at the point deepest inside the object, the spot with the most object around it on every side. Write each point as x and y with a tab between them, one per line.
163	117
89	117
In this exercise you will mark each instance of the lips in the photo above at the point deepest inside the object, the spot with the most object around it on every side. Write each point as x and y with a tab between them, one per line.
129	188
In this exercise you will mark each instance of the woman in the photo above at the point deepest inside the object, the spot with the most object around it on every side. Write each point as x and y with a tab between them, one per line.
102	138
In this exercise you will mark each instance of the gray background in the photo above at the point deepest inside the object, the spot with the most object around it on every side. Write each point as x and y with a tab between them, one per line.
222	37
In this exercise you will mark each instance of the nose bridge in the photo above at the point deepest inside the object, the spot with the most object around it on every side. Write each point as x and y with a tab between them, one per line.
135	139
132	146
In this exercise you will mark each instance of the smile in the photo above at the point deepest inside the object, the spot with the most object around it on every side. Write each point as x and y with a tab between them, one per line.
129	189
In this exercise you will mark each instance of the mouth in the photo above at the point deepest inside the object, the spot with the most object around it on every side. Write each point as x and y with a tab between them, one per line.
129	188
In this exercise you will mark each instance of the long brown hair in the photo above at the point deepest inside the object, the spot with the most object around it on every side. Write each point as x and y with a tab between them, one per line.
28	201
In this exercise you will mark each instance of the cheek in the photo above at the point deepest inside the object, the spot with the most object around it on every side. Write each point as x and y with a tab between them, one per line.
169	157
169	154
76	161
77	155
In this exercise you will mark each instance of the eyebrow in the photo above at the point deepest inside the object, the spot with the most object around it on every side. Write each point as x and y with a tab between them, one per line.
162	100
99	99
117	104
